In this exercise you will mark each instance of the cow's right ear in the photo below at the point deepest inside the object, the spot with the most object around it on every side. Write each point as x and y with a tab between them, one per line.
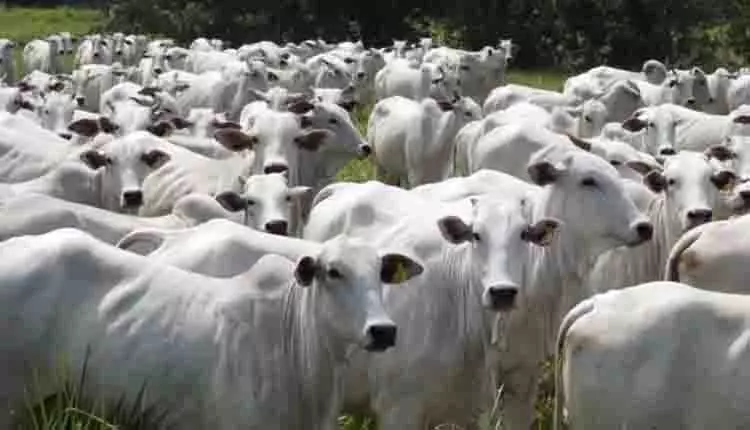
235	140
655	181
454	230
543	173
720	152
300	107
85	127
634	124
305	271
94	159
231	201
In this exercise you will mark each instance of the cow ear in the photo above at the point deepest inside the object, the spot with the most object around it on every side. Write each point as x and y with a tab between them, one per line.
272	77
724	180
398	268
305	271
634	124
161	129
655	181
543	173
149	91
107	126
57	86
225	124
299	193
300	107
181	123
234	139
85	127
454	230
639	166
94	159
348	106
720	152
155	158
313	139
583	144
542	232
231	201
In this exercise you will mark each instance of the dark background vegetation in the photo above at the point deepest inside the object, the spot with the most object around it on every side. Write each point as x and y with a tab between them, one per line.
567	34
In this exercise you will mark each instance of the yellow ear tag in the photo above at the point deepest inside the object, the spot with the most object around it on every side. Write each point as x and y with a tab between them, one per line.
401	274
549	234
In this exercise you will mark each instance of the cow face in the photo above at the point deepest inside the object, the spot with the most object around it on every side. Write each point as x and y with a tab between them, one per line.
126	162
277	139
659	127
587	194
268	201
499	233
691	185
334	118
56	112
347	276
734	155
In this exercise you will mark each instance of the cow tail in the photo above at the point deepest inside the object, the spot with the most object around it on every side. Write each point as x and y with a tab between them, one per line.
577	312
672	268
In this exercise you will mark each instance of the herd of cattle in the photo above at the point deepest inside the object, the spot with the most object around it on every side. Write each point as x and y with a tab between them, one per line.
169	216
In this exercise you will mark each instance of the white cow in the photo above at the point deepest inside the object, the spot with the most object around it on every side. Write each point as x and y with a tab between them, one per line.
38	214
230	327
712	257
56	112
43	55
670	128
399	78
658	355
7	61
93	49
70	181
593	81
269	203
68	41
93	80
413	140
687	195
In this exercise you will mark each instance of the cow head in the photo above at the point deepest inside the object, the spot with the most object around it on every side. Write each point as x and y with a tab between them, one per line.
126	162
586	193
56	112
499	233
269	203
346	277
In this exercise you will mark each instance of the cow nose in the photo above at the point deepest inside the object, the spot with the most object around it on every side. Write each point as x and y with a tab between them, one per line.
96	55
65	135
690	101
118	52
645	231
278	227
501	297
80	101
132	198
361	75
365	150
667	151
381	337
275	168
696	216
158	70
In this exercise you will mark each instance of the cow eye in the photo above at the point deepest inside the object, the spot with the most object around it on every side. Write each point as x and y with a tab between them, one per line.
587	118
334	274
671	181
349	60
333	121
615	163
651	125
288	198
476	236
588	182
464	67
250	202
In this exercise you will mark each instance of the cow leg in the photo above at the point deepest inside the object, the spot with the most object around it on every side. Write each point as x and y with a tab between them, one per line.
519	397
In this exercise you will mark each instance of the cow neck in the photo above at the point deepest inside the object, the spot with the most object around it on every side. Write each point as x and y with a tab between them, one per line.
283	359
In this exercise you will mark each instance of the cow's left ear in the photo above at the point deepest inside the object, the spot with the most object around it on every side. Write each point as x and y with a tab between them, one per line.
454	230
398	268
85	127
541	233
299	193
235	140
231	201
161	128
305	271
313	139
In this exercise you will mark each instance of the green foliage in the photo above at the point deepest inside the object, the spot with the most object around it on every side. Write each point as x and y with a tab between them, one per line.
24	24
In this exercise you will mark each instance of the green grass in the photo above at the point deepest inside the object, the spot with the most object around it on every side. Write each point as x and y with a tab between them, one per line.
24	24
